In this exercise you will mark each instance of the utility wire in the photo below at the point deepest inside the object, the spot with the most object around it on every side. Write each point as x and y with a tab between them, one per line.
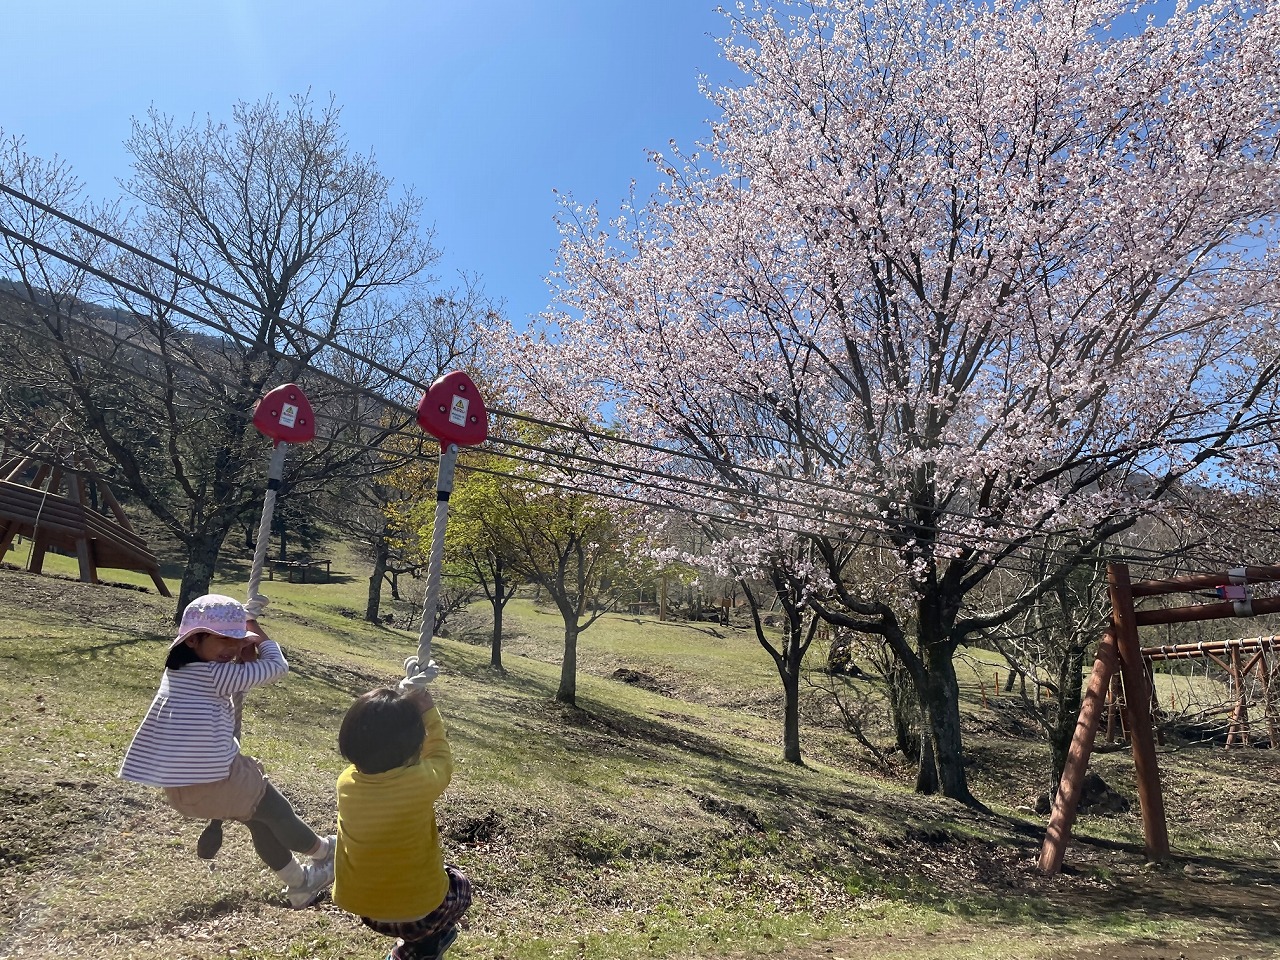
837	519
395	374
900	524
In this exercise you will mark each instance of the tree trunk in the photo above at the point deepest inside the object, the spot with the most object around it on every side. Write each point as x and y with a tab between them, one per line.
568	692
499	601
373	604
202	557
904	710
1070	684
940	700
791	709
926	769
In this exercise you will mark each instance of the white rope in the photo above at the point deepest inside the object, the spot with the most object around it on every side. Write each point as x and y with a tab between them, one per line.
254	608
35	527
257	602
275	472
420	669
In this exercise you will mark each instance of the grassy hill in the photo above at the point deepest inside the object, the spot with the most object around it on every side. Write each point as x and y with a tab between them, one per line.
657	819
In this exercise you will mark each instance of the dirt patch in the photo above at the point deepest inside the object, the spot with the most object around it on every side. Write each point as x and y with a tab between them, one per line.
1170	950
39	822
87	603
638	678
964	943
734	812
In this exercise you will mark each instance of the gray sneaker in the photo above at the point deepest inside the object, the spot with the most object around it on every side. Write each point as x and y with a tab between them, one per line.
431	949
316	880
446	940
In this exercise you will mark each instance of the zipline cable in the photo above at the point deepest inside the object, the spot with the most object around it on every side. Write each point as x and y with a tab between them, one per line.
900	524
942	536
302	331
872	525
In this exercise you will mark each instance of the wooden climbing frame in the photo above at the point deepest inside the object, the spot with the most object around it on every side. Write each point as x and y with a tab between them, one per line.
32	504
1119	651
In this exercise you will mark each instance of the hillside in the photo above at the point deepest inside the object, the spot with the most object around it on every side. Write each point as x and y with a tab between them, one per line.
657	819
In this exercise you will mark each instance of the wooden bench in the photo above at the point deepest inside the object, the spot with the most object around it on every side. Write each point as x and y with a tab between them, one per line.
296	571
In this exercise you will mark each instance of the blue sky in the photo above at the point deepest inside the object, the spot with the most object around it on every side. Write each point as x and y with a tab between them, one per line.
483	108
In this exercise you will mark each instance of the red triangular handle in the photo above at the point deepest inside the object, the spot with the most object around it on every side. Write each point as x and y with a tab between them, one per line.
285	415
452	411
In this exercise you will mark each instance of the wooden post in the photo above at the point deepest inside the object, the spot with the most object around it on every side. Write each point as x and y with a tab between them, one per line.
1238	731
1067	800
39	544
8	531
84	549
1150	796
1268	708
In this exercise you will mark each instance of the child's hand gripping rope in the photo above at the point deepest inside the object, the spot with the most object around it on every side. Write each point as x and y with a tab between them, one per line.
416	675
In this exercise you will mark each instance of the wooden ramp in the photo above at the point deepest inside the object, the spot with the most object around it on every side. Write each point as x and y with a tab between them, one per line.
32	505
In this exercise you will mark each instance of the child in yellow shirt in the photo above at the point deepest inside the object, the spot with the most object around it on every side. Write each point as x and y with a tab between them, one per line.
389	868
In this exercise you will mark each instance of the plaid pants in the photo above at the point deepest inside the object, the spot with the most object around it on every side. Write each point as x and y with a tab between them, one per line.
422	937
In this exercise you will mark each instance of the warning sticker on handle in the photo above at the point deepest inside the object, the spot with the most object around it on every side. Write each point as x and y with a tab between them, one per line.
458	411
288	414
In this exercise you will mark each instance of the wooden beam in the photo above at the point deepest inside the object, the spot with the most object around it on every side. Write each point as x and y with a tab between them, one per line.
1226	610
1201	581
1154	827
1067	801
1184	651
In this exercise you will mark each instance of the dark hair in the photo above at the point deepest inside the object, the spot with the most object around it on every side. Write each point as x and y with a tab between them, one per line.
180	654
381	731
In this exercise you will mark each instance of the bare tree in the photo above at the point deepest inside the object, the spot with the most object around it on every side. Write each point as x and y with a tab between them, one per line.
263	251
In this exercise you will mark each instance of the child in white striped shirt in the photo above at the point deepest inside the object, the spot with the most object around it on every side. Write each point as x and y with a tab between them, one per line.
186	744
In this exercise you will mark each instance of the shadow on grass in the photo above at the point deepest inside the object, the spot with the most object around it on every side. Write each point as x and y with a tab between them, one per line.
132	640
926	850
227	905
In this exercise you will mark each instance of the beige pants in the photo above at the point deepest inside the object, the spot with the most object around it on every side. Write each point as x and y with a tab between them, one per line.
234	798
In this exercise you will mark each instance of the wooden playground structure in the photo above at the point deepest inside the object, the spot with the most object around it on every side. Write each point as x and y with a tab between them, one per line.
33	504
1122	659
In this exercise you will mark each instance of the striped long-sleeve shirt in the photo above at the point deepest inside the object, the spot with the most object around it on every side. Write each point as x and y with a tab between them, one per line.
188	734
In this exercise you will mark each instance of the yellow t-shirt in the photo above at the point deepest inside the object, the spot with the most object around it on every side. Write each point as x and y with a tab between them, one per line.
389	865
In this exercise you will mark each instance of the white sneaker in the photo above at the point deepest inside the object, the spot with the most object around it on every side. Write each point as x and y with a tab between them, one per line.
317	878
331	849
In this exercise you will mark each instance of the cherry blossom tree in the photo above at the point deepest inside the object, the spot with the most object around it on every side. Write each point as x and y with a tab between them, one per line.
948	280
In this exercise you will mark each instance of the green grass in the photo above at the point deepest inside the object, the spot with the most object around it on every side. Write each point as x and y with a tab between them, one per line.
659	824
